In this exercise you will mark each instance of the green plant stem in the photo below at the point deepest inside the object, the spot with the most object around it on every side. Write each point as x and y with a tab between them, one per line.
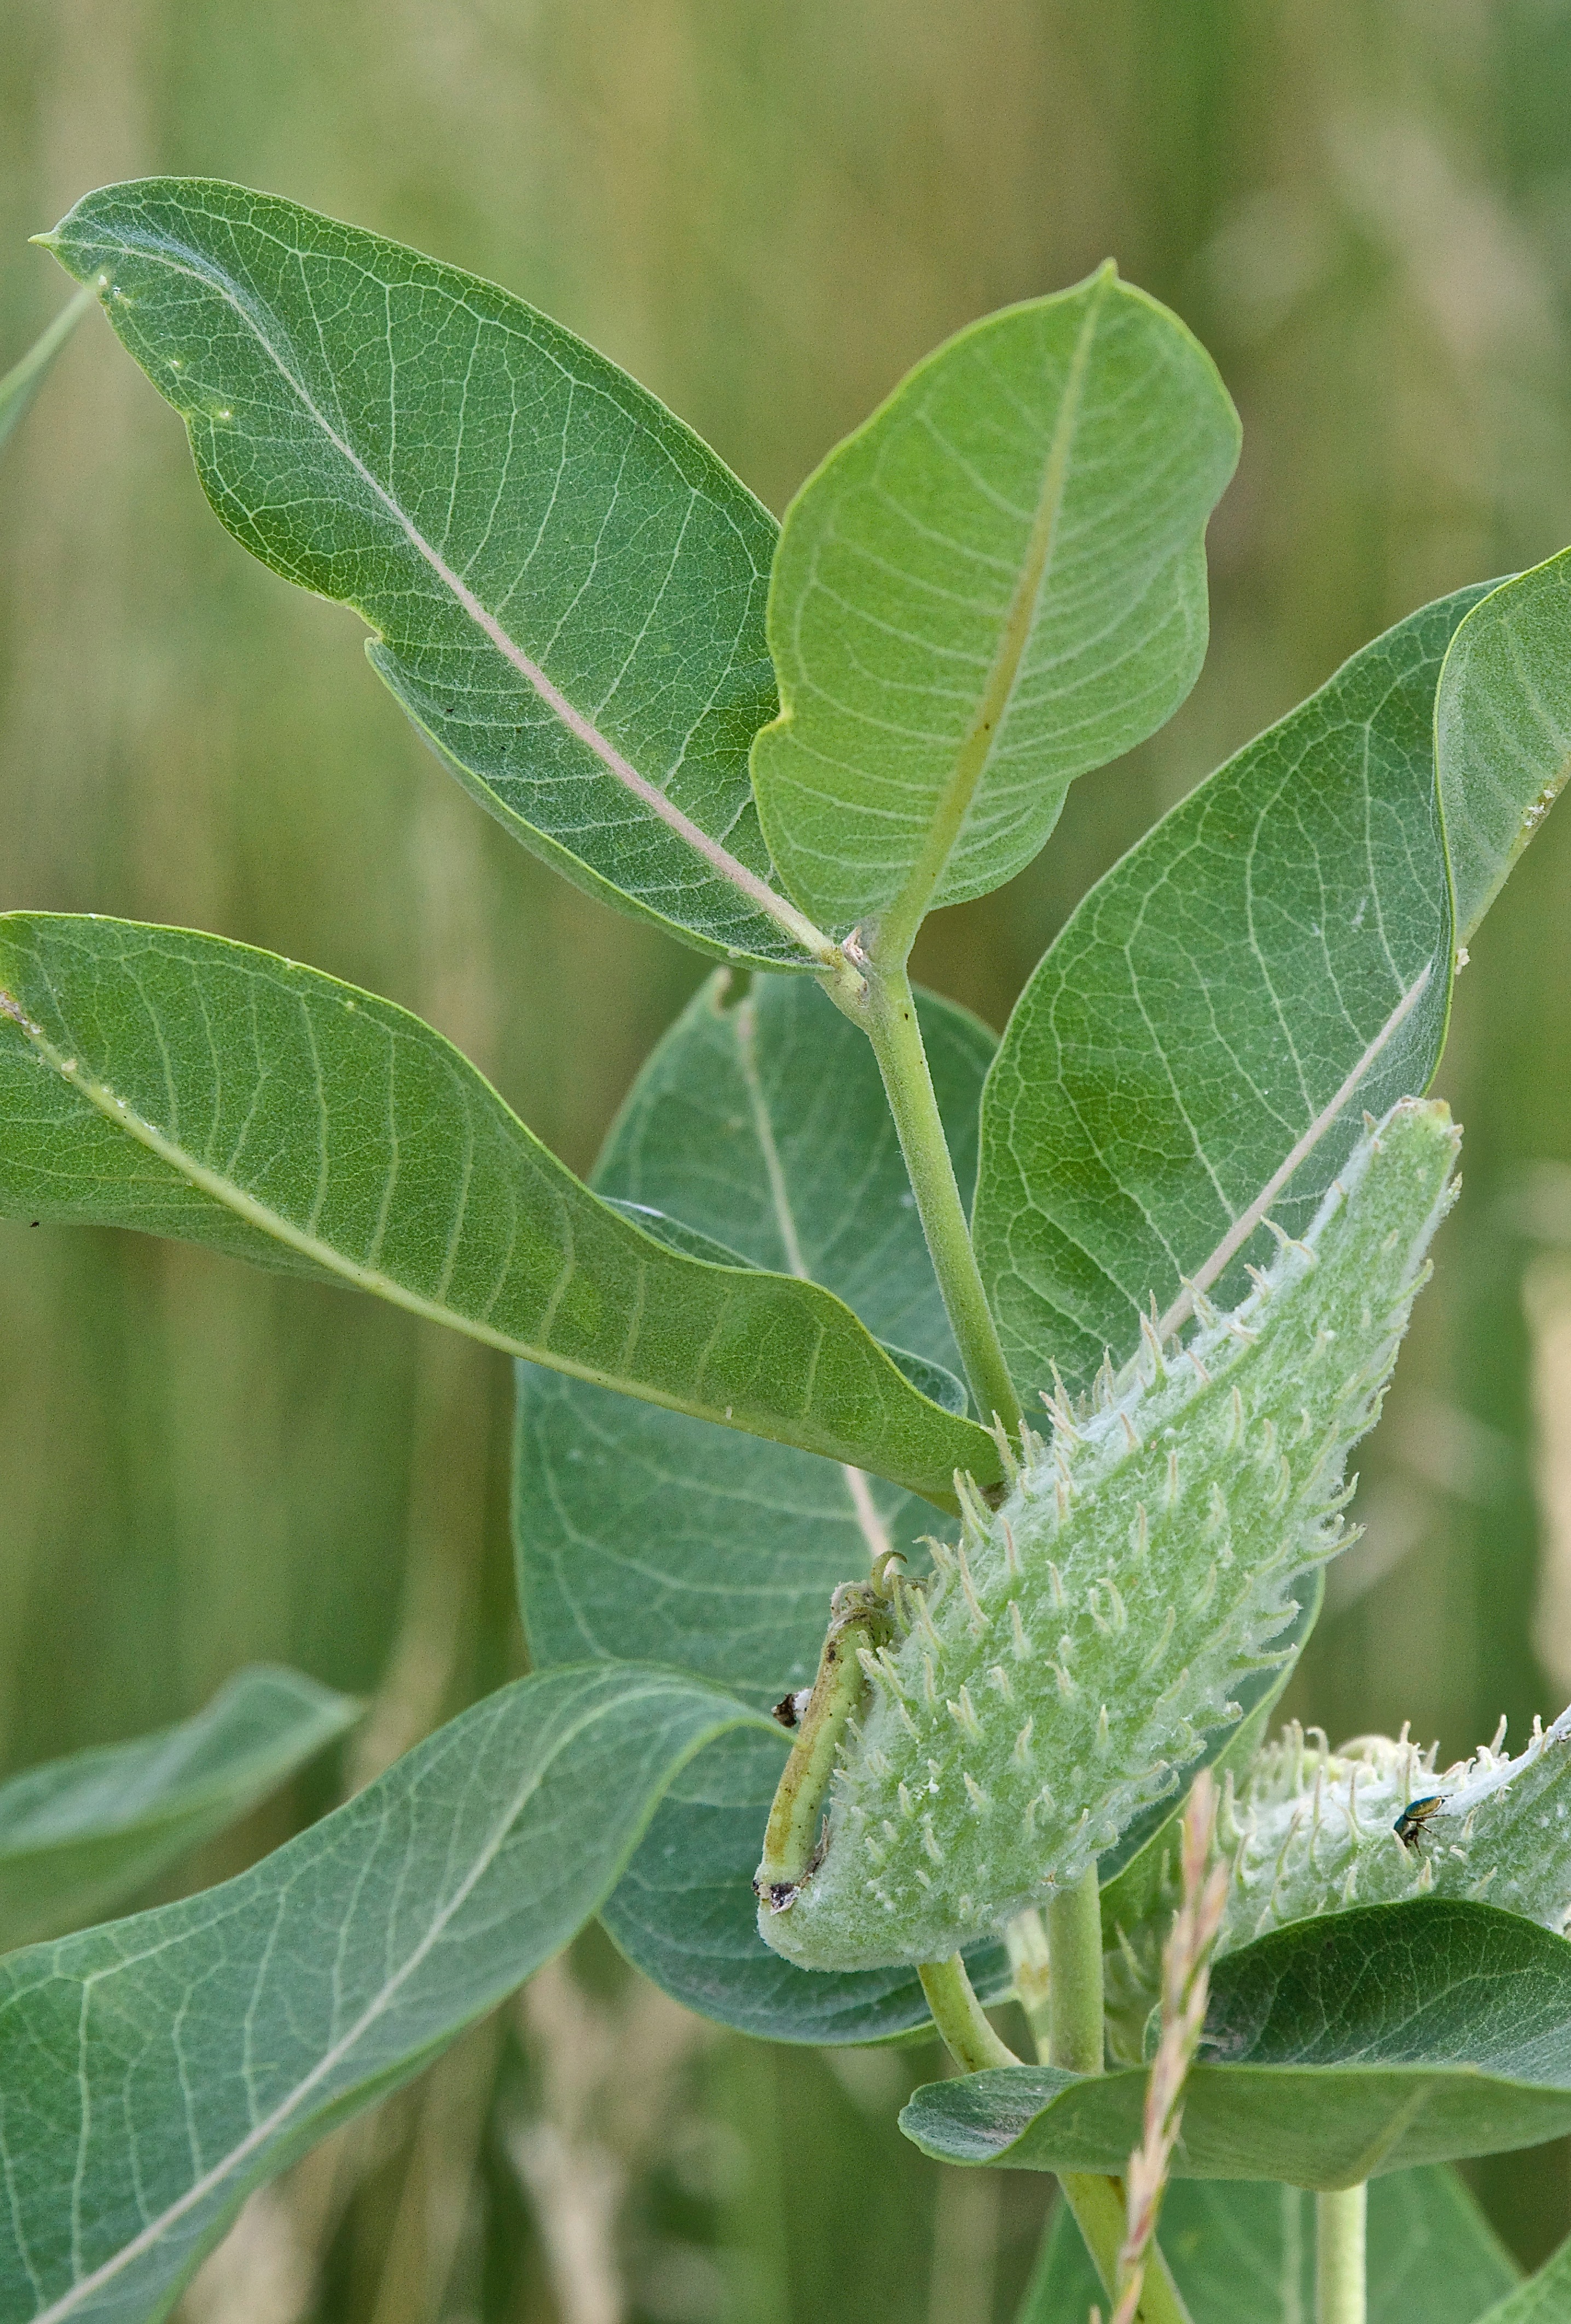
1340	2278
887	1014
957	2014
1076	2025
1076	2035
1097	2204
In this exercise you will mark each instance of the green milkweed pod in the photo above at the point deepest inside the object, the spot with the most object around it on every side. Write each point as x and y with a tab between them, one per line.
1311	1832
1074	1647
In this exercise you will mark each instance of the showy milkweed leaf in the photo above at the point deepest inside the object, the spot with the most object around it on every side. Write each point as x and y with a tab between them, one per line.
1391	2037
1243	2252
1279	947
188	1086
565	587
996	583
22	382
1502	730
153	2072
78	1835
642	1533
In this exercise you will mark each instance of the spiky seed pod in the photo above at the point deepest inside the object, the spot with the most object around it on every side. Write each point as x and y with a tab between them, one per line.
1313	1831
1141	1566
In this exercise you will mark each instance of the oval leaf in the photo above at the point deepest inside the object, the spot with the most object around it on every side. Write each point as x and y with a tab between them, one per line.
1401	2034
1129	1123
152	2073
996	583
1207	1001
641	1532
78	1835
565	587
188	1086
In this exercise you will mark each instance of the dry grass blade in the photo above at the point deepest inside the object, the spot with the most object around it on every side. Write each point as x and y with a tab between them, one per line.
1185	1980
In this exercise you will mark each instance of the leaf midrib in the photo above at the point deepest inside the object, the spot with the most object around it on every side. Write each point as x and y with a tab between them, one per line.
897	928
245	1206
786	916
261	2133
745	1024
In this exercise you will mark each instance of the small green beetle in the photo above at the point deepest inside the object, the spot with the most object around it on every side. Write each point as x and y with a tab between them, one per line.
1415	1816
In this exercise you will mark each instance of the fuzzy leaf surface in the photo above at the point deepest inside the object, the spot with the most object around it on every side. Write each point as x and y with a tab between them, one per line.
1399	2035
192	1087
1206	1002
641	1532
153	2072
565	586
76	1835
996	583
22	382
1243	2252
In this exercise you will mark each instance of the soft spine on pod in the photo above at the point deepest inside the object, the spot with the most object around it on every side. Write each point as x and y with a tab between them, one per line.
1312	1830
1074	1647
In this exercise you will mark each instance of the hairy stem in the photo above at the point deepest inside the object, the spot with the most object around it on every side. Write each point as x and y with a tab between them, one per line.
1074	2014
1340	2220
957	2014
887	1014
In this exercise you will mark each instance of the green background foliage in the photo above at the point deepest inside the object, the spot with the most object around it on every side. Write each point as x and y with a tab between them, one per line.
768	217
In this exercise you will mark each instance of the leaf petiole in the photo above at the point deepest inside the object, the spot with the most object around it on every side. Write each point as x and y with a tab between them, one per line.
958	2015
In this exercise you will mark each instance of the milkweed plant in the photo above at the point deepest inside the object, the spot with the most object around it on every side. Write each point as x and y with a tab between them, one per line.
929	1446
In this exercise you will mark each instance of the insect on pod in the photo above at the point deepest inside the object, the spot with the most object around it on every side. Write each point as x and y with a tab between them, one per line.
860	1620
1415	1816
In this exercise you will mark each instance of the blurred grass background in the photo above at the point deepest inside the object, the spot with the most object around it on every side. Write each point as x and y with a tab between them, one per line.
1365	210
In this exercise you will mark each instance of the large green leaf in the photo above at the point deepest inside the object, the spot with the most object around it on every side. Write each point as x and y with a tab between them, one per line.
1215	993
565	587
78	1835
761	1120
642	1533
188	1086
1398	2035
1243	2252
22	382
998	582
153	2071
